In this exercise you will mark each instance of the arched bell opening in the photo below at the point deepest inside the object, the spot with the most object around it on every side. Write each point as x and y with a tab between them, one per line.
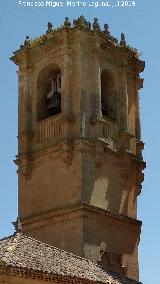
107	95
49	92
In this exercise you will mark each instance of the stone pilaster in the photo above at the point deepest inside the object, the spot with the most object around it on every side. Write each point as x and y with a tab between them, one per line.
123	100
98	108
66	77
25	132
25	118
138	84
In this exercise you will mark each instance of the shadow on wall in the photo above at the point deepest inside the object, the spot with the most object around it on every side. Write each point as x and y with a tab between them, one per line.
108	189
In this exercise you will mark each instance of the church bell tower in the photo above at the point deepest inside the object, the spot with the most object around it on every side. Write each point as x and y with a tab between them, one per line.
80	164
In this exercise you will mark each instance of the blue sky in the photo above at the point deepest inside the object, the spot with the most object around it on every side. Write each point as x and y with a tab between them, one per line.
141	26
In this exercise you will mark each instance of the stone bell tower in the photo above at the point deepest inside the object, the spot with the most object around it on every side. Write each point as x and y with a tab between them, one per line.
79	143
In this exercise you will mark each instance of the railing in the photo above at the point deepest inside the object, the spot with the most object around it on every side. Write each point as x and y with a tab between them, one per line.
49	128
109	129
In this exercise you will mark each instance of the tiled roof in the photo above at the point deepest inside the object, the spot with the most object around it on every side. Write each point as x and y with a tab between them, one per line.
24	253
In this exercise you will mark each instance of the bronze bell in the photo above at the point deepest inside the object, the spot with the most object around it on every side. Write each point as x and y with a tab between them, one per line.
54	101
54	98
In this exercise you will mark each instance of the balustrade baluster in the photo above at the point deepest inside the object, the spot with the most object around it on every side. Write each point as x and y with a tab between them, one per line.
48	129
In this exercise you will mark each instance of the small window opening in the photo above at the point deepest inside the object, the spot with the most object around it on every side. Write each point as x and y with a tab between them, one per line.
107	94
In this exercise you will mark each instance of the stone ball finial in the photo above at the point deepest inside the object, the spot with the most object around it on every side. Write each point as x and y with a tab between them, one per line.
106	29
81	22
27	41
96	25
49	26
67	22
123	40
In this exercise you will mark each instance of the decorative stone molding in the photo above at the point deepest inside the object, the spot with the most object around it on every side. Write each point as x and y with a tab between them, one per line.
84	146
67	154
110	61
138	82
24	166
94	52
139	174
125	138
138	66
139	148
107	60
17	225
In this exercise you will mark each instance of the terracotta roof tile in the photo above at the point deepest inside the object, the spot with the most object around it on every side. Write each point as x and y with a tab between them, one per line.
23	252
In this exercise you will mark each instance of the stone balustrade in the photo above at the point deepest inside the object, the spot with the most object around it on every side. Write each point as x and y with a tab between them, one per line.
49	128
109	129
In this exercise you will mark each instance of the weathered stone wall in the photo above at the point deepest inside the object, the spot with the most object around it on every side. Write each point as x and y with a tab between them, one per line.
53	184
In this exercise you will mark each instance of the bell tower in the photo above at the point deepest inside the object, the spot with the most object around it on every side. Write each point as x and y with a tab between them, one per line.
79	143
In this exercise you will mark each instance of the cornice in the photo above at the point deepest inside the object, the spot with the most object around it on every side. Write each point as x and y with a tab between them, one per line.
80	24
81	208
